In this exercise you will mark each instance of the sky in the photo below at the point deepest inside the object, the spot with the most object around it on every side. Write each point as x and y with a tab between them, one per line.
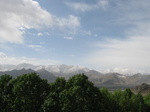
98	34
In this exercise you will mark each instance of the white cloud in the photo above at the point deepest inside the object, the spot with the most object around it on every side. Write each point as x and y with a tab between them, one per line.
88	7
69	38
131	52
68	24
34	46
125	71
134	14
4	59
71	21
16	16
3	55
19	15
40	34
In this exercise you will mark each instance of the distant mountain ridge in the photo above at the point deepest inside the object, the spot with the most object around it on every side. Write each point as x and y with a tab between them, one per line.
50	73
59	70
65	69
54	68
42	73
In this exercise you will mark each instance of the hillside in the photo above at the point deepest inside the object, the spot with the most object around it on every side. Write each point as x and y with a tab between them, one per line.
42	73
143	89
109	80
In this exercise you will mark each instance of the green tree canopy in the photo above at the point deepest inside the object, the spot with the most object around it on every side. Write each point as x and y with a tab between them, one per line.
6	95
80	95
30	92
52	103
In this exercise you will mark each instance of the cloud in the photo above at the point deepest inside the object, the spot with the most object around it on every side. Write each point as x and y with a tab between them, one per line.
132	51
88	7
34	46
71	21
2	55
134	14
4	59
68	24
69	38
16	16
125	71
40	34
19	15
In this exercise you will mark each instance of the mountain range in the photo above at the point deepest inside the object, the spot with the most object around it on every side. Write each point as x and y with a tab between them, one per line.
50	72
143	89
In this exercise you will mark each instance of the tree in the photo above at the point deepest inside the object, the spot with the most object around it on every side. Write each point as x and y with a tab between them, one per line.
117	97
30	92
128	102
6	94
52	102
147	101
123	100
138	104
108	103
80	95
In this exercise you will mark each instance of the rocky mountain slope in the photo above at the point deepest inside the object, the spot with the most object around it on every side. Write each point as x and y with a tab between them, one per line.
143	89
50	72
42	73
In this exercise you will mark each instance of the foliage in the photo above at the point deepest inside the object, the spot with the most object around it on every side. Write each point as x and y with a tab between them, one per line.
52	103
80	95
30	93
109	104
6	95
